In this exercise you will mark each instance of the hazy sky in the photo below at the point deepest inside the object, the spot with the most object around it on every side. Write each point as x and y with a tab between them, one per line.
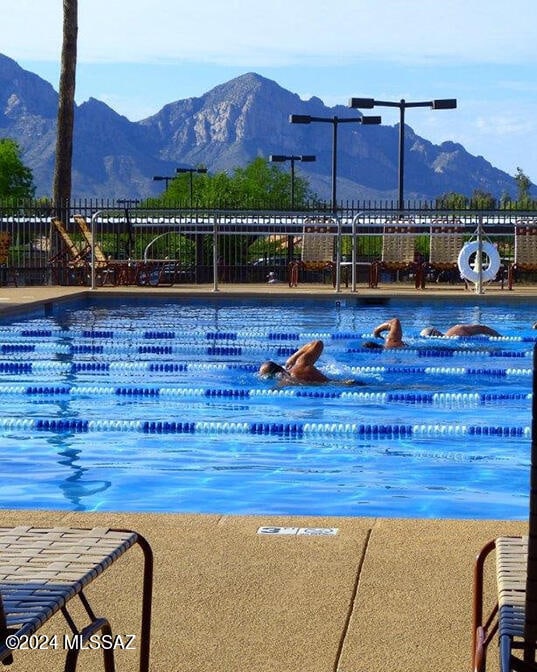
138	55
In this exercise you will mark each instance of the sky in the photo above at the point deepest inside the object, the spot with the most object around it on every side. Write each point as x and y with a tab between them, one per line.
139	55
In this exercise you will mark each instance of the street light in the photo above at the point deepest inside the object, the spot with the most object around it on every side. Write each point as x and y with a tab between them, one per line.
191	171
335	121
127	203
281	158
163	178
368	103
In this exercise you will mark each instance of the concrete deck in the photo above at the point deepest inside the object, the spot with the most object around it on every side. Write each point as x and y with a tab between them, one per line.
382	594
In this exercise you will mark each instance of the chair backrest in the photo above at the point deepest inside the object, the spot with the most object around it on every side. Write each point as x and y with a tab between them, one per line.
5	242
318	243
84	230
398	244
445	244
72	249
526	243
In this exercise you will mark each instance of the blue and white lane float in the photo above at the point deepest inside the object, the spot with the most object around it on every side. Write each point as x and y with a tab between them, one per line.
296	430
99	367
461	399
60	335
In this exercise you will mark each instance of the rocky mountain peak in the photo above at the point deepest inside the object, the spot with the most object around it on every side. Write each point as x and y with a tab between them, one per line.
223	129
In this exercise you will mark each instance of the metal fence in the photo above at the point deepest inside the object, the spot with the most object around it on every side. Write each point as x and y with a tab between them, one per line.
101	243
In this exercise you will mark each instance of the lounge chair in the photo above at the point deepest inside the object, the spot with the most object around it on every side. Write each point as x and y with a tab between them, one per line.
446	241
42	569
317	251
525	254
398	253
71	260
513	619
9	274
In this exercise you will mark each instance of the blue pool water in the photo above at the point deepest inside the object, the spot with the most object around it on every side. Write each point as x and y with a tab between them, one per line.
158	407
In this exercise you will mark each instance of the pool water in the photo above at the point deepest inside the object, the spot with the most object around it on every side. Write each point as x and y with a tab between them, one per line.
157	406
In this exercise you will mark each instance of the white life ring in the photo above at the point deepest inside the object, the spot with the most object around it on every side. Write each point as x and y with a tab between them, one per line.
488	270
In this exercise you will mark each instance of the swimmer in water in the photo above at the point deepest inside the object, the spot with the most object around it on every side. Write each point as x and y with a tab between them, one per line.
300	368
394	337
461	330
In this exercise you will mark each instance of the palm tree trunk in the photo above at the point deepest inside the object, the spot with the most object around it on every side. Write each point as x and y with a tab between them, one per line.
66	106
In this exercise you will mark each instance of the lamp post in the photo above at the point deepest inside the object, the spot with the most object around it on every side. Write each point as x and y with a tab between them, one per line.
191	171
335	121
368	103
281	158
163	178
127	203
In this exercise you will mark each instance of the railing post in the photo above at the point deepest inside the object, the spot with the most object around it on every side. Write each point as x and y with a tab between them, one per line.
215	253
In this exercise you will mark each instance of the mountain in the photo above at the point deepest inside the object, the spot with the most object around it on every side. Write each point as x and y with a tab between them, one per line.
226	128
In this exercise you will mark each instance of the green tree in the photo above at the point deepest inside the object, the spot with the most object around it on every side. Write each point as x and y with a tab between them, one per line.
265	185
523	184
16	180
260	185
452	201
482	200
66	108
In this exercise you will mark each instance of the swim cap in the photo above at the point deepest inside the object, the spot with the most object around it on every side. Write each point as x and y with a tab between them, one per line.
430	331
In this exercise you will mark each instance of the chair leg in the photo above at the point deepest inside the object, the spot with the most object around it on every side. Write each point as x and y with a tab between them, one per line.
374	274
510	277
419	277
293	274
99	625
482	632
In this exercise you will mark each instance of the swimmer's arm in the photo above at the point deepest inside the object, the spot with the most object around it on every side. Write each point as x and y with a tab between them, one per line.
310	352
386	326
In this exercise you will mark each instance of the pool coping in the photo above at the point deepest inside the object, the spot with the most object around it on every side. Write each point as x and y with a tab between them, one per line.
17	300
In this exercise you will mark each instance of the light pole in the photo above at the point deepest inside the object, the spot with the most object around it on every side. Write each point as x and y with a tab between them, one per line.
127	203
191	171
368	103
281	158
335	121
163	178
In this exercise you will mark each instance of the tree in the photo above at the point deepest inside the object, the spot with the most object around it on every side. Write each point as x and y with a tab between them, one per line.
482	200
66	108
16	180
257	186
523	184
452	201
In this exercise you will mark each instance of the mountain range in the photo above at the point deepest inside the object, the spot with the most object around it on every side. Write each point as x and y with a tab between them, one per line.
226	128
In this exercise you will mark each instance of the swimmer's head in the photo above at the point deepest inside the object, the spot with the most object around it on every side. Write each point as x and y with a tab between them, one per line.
271	369
430	331
371	345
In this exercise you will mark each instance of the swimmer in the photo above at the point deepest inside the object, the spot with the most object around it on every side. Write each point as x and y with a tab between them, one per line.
300	368
461	330
394	337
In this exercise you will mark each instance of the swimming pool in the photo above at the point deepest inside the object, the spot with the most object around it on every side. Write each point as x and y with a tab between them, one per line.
157	406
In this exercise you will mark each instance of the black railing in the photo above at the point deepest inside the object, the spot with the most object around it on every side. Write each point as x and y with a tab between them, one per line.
239	245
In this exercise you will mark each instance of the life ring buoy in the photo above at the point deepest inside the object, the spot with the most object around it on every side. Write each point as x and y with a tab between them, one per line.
488	270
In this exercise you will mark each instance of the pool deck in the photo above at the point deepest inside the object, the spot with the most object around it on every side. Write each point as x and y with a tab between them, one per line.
381	594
